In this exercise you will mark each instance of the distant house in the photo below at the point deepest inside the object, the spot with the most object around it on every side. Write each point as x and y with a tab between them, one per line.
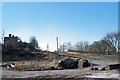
14	41
11	41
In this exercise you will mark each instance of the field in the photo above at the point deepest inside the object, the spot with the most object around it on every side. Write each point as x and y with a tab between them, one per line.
34	65
52	59
47	67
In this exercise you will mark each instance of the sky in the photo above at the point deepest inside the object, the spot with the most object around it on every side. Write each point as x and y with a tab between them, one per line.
69	21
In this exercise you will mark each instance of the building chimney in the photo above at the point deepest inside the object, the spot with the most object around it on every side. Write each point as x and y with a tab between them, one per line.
9	35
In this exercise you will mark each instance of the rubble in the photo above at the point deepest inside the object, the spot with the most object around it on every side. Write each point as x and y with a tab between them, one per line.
108	67
68	63
8	65
72	63
86	63
114	66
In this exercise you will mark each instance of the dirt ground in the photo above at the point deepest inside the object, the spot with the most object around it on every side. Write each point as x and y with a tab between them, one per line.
69	74
24	69
34	65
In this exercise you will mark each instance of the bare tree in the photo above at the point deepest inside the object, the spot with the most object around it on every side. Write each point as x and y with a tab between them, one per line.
113	40
63	47
109	44
86	46
117	45
69	46
96	47
82	46
34	42
79	46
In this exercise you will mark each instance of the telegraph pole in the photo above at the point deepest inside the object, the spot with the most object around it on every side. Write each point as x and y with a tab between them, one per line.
57	43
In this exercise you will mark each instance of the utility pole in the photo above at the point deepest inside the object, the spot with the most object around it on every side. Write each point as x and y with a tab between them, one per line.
57	43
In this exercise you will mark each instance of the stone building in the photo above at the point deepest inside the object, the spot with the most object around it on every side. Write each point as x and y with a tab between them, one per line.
11	41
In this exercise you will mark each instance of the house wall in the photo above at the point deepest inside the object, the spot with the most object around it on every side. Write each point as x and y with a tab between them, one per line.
11	41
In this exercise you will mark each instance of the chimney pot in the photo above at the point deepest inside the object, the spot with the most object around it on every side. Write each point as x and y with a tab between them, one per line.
9	35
